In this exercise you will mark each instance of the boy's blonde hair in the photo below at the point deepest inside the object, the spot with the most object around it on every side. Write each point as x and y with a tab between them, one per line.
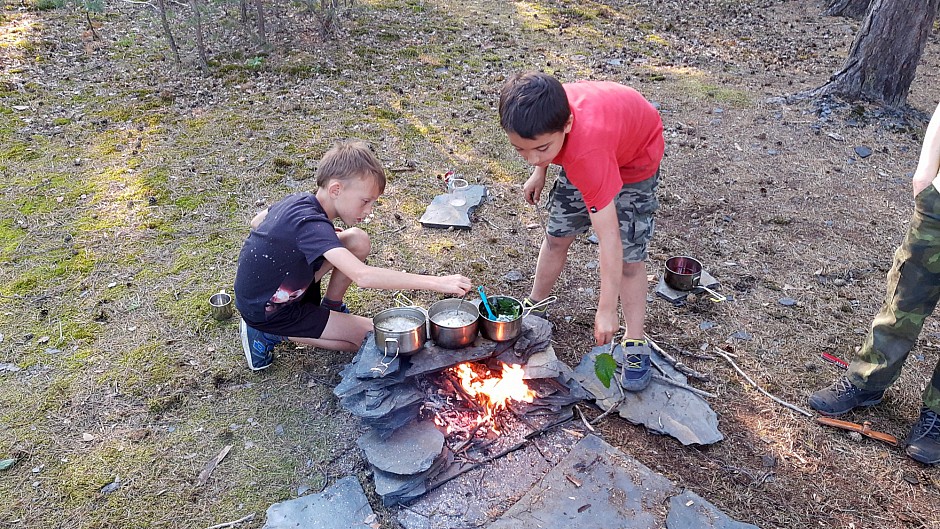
348	160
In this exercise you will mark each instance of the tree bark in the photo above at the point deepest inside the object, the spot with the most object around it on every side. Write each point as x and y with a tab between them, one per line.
161	6
262	34
883	59
200	37
848	8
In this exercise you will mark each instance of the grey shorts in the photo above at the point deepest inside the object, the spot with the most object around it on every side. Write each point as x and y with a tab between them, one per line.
636	203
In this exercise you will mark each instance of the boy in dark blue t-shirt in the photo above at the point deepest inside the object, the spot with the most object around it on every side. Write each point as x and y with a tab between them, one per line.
293	244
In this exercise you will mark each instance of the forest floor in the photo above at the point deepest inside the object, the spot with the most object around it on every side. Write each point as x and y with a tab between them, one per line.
128	183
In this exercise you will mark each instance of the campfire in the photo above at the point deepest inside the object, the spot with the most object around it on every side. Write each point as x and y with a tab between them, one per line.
470	397
440	412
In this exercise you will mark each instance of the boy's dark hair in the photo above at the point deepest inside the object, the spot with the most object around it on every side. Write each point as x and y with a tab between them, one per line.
532	104
348	160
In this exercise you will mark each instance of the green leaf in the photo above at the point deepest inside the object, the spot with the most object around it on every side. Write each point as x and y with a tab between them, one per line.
6	463
604	367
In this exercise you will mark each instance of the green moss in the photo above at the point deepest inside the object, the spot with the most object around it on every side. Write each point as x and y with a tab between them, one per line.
61	121
48	5
141	370
384	113
11	238
19	152
189	202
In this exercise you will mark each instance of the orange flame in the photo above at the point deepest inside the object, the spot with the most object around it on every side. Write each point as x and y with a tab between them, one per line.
492	391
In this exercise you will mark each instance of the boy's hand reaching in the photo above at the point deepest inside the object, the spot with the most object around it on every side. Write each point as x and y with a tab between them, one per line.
532	189
606	325
455	284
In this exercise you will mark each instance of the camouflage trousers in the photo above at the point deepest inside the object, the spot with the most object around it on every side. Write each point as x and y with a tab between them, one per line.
913	292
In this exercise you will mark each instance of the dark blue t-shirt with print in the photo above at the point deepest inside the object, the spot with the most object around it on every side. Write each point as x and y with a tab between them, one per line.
277	263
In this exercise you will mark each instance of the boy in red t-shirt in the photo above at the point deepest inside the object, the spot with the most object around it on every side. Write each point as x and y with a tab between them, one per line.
609	142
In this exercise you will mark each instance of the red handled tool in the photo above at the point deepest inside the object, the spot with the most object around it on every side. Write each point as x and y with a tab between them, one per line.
836	360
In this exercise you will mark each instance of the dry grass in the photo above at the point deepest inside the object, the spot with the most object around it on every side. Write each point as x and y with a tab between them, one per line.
126	195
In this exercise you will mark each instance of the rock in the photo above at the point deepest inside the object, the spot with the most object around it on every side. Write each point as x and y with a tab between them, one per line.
690	511
341	506
513	275
839	282
705	325
410	450
787	302
742	335
863	151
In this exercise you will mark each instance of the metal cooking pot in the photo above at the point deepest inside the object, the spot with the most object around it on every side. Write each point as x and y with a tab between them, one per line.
500	331
448	335
685	273
394	332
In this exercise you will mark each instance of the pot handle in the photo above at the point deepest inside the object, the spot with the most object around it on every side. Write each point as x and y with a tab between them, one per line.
715	296
385	362
544	303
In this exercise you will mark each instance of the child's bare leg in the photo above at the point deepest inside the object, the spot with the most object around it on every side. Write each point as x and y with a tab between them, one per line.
343	332
356	241
633	290
552	257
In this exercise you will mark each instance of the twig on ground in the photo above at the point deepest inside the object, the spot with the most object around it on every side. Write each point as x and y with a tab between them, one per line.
233	523
676	383
206	472
680	367
584	419
743	374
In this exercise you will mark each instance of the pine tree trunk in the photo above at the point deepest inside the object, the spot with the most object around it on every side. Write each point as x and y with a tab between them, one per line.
848	8
161	6
200	37
262	34
883	59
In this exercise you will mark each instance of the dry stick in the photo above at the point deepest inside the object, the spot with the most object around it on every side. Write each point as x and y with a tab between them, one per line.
584	419
243	519
775	399
521	444
676	383
682	368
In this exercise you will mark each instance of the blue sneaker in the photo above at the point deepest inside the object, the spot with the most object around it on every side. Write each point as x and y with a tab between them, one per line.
258	346
635	373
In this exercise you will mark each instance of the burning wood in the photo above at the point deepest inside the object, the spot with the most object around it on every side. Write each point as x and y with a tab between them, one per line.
469	398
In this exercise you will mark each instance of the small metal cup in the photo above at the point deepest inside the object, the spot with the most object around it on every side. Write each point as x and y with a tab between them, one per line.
221	305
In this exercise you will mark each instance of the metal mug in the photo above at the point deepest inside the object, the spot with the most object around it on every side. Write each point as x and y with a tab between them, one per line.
221	305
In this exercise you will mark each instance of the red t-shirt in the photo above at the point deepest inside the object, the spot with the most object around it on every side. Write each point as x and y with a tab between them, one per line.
616	138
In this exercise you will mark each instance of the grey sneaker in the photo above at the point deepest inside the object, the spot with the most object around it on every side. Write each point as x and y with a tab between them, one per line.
841	397
923	443
635	373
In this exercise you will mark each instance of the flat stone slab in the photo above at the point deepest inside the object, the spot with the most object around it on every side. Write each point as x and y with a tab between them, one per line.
452	210
341	506
615	491
690	511
596	486
677	297
410	450
661	407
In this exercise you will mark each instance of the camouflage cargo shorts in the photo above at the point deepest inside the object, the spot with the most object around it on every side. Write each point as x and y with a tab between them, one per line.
636	203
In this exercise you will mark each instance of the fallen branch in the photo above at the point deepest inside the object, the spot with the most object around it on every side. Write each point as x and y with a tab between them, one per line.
676	383
584	419
775	399
233	523
680	367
